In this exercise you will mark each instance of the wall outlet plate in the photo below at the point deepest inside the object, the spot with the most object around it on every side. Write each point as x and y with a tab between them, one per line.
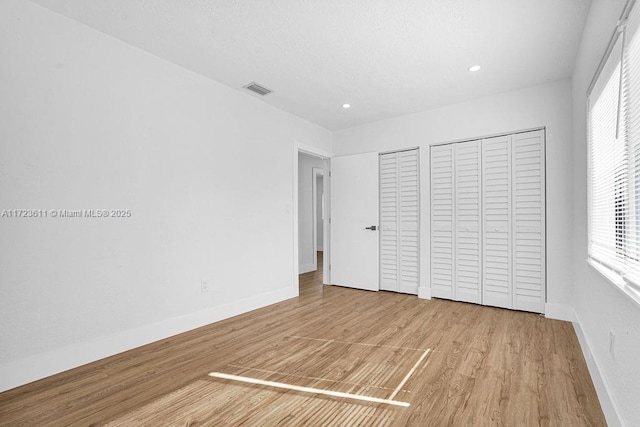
204	286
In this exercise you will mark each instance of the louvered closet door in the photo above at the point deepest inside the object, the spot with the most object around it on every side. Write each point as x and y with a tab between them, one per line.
399	215
496	212
529	221
389	269
442	222
468	249
409	220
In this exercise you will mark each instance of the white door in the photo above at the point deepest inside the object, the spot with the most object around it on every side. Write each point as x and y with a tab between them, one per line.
488	221
442	222
389	239
496	209
354	221
399	221
468	250
528	221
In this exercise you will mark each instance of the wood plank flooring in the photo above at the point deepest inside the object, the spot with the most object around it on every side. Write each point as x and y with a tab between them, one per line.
485	366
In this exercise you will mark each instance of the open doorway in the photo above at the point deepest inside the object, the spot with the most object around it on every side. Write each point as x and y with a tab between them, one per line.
310	249
311	226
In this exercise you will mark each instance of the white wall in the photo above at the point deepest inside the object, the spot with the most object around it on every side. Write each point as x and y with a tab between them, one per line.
306	250
88	122
547	105
599	306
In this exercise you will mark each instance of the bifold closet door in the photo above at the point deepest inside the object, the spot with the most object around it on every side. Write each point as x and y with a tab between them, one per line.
399	221
528	177
456	251
467	248
442	222
488	221
496	212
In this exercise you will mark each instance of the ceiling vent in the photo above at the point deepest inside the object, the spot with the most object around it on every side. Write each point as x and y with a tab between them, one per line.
260	90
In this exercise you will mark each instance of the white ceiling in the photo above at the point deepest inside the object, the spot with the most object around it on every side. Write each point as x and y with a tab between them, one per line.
384	57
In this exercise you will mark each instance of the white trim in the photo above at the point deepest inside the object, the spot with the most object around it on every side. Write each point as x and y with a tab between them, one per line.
558	311
543	200
399	150
616	280
434	144
294	220
326	224
315	173
607	402
424	292
22	371
310	149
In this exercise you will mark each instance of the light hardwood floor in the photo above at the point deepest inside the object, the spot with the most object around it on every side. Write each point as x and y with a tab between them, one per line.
484	366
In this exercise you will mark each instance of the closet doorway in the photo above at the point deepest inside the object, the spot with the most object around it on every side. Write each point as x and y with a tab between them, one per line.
488	240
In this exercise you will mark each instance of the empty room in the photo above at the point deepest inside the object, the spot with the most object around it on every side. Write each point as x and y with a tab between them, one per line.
331	213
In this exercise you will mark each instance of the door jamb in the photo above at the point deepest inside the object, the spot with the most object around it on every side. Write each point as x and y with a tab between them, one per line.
315	173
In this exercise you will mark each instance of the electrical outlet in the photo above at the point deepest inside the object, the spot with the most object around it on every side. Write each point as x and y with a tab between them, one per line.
612	343
204	285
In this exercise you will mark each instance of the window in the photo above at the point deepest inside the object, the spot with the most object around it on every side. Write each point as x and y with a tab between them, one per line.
614	155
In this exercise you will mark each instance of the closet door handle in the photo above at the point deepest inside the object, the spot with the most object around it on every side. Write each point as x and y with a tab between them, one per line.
372	228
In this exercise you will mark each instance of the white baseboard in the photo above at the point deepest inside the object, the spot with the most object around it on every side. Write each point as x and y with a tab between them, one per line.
558	311
609	407
306	268
424	292
23	371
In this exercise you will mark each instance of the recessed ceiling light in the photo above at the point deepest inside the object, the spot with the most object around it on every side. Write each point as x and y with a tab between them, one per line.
346	105
474	68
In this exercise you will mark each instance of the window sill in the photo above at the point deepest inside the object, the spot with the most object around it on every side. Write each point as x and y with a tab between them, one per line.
617	281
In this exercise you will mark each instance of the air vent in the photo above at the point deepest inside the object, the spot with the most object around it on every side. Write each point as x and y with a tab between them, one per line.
255	87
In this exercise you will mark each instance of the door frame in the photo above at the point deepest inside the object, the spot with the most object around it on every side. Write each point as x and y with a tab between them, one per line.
315	173
326	157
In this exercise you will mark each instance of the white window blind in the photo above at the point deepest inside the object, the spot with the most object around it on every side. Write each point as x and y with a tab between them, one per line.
608	160
631	121
614	156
